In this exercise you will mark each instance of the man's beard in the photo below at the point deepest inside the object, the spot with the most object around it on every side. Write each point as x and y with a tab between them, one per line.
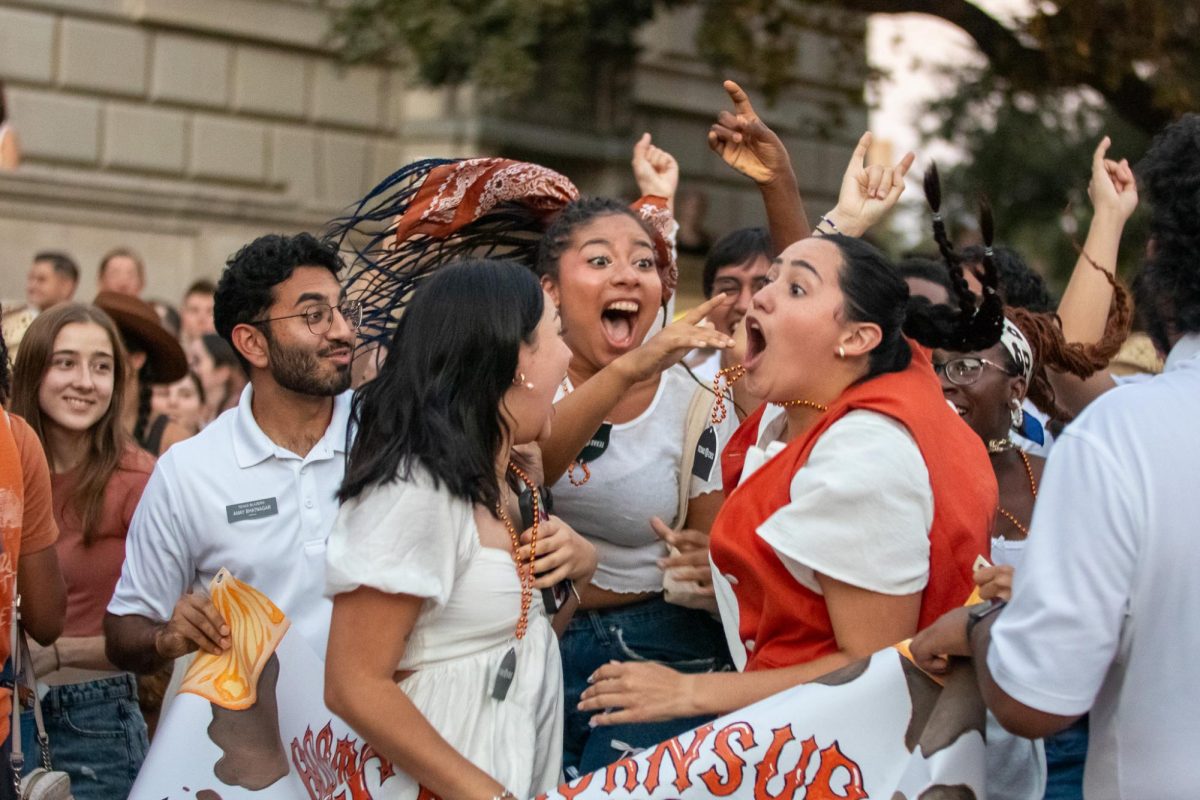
302	372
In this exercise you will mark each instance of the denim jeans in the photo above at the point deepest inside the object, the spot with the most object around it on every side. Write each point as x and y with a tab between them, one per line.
97	735
652	630
1066	753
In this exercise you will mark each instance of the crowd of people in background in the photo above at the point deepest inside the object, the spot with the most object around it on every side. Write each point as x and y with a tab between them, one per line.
573	525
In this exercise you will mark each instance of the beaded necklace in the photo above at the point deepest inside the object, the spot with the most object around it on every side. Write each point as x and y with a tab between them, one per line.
526	575
1032	487
730	376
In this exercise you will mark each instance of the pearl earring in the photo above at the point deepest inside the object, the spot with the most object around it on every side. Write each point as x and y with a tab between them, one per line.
841	352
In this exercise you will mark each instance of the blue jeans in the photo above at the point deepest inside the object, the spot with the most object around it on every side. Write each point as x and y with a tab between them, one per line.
1066	752
96	733
652	630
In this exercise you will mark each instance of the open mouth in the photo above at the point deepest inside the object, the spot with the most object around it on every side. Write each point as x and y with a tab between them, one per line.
78	403
756	342
959	409
618	322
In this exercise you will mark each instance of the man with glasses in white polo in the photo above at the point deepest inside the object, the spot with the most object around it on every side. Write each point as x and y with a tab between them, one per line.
255	491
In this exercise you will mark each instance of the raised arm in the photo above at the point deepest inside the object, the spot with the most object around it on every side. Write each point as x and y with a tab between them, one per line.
1086	301
745	143
655	170
867	192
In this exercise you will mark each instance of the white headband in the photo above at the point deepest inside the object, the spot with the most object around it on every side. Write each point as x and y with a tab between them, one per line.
1018	348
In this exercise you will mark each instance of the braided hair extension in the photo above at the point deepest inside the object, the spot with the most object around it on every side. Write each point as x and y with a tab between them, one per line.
1051	350
973	324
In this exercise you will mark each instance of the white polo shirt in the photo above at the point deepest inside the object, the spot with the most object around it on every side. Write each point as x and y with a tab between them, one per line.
230	497
1101	616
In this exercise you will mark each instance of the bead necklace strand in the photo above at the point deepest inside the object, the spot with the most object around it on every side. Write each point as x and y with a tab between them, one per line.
576	464
730	376
526	575
1032	488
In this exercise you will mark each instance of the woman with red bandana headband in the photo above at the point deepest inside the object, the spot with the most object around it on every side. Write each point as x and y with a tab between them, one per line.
619	443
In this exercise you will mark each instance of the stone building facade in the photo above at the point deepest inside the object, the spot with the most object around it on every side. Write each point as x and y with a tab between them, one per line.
184	128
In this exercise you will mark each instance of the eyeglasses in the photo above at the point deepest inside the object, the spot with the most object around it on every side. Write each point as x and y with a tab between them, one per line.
967	370
319	316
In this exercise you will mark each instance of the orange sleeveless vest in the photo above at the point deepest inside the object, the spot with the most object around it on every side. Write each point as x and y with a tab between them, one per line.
782	623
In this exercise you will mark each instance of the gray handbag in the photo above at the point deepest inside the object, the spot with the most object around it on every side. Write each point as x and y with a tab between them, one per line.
44	782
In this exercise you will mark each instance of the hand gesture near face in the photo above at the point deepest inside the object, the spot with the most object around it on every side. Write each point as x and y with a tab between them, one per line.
655	170
745	143
1112	188
868	192
668	347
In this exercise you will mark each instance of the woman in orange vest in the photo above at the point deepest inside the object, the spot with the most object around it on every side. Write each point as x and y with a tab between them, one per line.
856	500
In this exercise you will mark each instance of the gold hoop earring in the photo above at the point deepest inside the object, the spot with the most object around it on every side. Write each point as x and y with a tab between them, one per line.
520	381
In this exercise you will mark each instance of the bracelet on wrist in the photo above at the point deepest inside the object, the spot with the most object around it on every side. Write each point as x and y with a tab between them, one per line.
833	228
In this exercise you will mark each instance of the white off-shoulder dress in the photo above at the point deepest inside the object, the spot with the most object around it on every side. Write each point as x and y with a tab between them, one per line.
408	537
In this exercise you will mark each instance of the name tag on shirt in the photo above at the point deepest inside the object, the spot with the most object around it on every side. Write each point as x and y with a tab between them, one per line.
252	509
706	454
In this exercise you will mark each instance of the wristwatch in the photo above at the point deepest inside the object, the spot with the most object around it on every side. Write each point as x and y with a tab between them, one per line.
978	612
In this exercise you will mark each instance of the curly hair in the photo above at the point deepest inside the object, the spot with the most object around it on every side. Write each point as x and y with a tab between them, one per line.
246	288
1051	350
1170	180
573	216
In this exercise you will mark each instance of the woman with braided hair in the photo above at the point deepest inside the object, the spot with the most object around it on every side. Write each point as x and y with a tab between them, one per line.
856	501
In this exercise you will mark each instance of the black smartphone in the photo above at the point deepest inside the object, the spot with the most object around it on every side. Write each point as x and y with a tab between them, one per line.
554	596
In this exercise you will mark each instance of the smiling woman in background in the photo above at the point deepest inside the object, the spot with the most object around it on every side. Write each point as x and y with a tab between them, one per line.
70	379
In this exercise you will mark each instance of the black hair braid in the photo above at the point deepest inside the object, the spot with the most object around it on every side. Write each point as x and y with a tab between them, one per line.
143	408
973	324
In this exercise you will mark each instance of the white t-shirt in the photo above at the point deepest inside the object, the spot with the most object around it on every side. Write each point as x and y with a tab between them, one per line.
230	497
861	510
1101	612
636	478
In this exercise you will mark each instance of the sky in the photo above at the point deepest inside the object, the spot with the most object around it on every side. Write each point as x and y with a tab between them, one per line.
910	47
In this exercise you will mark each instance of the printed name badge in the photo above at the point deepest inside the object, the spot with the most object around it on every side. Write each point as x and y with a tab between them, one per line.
596	445
706	454
252	509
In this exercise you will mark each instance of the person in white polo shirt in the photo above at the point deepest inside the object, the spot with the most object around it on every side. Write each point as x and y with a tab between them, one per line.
1099	618
255	491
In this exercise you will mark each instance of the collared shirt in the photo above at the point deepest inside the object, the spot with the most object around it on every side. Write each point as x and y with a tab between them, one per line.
230	497
1100	618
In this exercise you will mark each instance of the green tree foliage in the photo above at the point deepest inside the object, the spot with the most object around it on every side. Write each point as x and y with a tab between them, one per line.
1030	155
1140	56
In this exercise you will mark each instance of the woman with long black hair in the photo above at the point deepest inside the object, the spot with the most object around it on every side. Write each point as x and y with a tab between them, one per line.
461	688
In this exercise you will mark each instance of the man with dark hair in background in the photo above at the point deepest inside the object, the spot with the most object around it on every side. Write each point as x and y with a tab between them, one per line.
52	279
196	313
255	490
737	266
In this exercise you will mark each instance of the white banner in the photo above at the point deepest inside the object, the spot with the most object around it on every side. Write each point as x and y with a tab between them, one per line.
253	723
877	729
